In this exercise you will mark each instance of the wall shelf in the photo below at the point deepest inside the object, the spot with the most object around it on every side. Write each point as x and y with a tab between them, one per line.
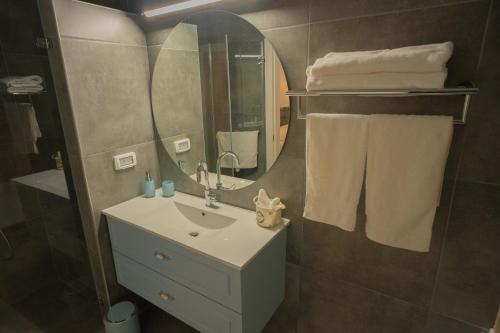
467	91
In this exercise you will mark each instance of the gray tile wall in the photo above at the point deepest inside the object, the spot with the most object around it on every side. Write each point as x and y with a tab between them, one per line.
342	282
101	71
179	91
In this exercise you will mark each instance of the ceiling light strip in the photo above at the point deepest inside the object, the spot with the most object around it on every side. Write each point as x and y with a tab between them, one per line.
178	7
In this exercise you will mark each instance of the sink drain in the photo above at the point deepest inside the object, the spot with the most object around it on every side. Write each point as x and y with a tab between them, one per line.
194	234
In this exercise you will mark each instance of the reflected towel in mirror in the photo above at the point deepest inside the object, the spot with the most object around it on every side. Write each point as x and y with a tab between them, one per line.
244	144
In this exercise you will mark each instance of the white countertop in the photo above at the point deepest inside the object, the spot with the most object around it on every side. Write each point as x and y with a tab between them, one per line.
52	181
235	244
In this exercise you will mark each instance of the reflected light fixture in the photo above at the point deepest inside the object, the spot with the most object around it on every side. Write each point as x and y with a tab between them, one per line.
177	7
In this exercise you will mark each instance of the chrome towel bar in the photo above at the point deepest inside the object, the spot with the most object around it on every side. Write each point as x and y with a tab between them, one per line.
467	91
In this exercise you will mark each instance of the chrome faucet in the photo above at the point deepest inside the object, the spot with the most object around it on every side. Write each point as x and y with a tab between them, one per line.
210	197
182	165
219	184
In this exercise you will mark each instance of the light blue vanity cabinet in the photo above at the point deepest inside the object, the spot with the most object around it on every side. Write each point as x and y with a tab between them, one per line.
233	294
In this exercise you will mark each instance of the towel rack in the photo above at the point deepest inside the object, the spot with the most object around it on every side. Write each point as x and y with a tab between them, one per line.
466	90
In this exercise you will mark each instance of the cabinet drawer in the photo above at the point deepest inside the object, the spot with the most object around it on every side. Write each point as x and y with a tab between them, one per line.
201	274
190	307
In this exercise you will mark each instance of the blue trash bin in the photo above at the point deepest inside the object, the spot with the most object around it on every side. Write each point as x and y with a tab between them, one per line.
122	318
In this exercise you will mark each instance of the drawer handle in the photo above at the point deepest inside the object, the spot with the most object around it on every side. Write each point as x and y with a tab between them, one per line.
166	297
161	256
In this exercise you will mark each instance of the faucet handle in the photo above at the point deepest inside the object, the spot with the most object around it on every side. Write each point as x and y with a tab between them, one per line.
211	198
202	165
199	169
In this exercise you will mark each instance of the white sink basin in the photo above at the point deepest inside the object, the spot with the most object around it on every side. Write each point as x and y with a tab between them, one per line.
227	233
203	218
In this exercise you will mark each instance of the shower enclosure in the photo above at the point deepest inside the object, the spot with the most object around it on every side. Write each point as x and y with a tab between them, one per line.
233	102
46	283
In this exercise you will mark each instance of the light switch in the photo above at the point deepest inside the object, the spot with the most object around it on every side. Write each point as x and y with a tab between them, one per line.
125	161
182	146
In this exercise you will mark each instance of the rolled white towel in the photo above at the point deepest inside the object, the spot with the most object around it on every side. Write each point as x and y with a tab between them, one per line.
22	81
377	81
427	58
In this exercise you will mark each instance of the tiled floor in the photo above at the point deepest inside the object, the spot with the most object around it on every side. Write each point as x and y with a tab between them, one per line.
155	320
50	310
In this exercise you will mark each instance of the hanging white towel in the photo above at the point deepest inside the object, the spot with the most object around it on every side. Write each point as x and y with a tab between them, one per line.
405	167
23	124
427	58
335	164
377	81
243	144
35	132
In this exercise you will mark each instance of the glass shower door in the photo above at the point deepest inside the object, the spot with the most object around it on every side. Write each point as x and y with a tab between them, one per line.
46	283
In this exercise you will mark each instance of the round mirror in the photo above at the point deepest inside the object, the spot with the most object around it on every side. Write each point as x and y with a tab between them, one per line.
218	95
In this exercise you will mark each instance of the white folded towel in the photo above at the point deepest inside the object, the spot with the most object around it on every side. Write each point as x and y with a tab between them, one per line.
405	167
335	164
22	81
427	58
377	81
24	90
243	144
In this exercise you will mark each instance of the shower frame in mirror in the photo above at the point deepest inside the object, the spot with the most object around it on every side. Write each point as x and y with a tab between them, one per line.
218	86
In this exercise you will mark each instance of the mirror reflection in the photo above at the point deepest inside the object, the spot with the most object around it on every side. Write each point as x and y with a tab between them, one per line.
218	96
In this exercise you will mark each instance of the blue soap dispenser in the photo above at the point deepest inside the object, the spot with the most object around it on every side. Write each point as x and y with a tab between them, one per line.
149	186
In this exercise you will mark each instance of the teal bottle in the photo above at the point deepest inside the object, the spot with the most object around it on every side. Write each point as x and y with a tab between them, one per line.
149	186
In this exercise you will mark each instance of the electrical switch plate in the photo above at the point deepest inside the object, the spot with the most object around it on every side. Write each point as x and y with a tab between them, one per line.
182	146
125	161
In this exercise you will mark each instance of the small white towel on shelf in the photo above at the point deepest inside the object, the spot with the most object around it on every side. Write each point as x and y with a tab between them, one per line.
428	58
377	81
24	90
22	81
335	162
243	144
22	84
405	167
